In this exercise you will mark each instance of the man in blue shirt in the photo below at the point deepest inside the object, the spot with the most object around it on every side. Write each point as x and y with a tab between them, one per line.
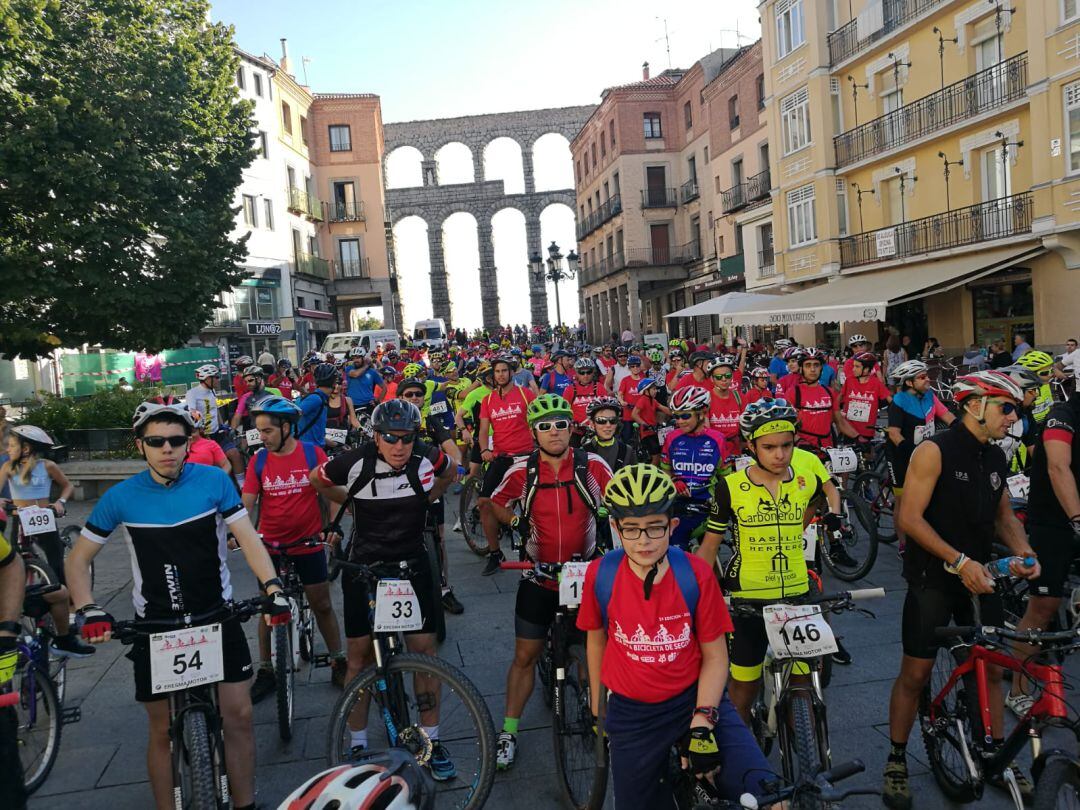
1021	345
314	407
558	379
778	365
365	384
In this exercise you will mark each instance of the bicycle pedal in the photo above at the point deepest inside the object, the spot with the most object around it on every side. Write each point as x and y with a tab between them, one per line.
321	661
70	714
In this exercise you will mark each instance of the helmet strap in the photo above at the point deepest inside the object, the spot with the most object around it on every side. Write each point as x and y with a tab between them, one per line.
168	480
650	577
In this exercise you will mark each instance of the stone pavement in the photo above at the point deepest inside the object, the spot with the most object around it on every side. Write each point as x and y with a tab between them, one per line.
102	759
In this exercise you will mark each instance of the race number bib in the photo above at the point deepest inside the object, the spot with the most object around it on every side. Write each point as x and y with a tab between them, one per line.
742	462
438	407
798	631
253	438
1019	486
842	460
337	435
858	411
571	582
396	606
923	432
181	659
36	520
809	542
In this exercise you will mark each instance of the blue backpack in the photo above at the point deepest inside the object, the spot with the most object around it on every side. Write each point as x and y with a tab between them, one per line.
309	456
680	567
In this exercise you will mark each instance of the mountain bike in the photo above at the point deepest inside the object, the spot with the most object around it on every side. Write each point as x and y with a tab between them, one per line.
580	753
403	715
875	490
469	514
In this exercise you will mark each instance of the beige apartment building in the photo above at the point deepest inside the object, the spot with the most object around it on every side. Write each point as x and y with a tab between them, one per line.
925	170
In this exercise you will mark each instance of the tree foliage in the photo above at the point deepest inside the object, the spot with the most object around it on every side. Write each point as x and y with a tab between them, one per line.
122	141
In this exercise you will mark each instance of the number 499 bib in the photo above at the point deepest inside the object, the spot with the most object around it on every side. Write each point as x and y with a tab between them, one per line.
396	607
36	520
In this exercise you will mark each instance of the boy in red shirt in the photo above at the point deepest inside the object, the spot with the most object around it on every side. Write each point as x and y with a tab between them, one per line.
862	394
759	387
656	621
725	404
644	413
628	395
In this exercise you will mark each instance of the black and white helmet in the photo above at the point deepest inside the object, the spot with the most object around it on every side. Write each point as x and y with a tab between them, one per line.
584	364
357	351
148	410
856	339
719	362
603	404
206	372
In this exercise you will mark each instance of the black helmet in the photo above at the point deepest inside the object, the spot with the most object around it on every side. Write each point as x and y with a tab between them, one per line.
395	414
698	356
326	374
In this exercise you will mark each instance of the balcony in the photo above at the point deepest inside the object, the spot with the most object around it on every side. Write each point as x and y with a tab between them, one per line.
753	190
732	266
982	222
311	265
766	262
733	198
655	256
853	38
758	187
986	90
689	191
690	252
346	211
659	197
304	204
605	266
354	268
607	210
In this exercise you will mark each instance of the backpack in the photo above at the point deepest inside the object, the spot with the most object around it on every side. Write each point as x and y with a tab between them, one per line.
680	568
309	457
580	482
325	405
368	475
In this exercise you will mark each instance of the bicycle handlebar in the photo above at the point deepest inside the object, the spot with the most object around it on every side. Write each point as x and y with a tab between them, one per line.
524	565
128	630
973	633
822	785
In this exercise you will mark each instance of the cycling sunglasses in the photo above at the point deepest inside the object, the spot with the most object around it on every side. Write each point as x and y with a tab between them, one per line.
160	441
557	424
1007	408
722	376
606	420
683	415
390	438
413	395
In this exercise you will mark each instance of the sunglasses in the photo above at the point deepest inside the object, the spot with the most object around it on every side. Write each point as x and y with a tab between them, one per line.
557	424
722	376
585	372
606	420
1007	408
683	415
251	380
412	395
390	438
160	441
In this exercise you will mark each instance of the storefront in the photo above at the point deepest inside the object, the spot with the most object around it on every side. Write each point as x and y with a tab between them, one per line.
1003	305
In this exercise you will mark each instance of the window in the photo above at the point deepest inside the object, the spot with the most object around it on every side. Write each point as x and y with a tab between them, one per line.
318	304
251	215
737	175
611	132
345	207
802	227
795	121
837	107
615	182
340	138
303	130
652	125
841	206
577	171
691	169
789	26
1069	10
594	162
240	78
1072	114
286	117
313	246
733	112
268	214
586	156
706	154
761	92
300	302
264	146
257	77
688	115
603	144
349	251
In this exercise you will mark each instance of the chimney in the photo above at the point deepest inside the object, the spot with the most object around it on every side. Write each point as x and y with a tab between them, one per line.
644	68
284	55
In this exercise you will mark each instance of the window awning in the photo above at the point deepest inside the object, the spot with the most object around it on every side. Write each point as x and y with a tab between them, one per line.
726	304
866	296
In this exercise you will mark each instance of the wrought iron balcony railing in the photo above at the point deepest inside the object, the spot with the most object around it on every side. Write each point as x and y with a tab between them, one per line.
689	191
766	262
857	36
659	197
347	211
354	268
606	211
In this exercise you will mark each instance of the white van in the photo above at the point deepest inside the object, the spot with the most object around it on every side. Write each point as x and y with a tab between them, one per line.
340	342
430	333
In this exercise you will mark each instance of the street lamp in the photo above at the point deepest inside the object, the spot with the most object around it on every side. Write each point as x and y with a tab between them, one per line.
855	95
554	271
948	163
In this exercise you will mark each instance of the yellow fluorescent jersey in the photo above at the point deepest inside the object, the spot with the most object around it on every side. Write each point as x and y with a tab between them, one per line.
7	553
768	562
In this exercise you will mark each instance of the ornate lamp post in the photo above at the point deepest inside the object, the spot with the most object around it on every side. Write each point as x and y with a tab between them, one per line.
554	271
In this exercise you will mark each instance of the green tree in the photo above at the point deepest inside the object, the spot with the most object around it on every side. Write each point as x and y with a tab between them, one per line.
122	141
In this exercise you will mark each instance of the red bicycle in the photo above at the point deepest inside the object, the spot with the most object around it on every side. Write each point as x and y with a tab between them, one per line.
954	716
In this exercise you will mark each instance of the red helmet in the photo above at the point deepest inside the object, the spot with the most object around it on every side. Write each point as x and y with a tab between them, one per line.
986	384
868	359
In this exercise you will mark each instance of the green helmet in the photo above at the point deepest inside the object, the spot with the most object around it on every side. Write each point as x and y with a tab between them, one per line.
638	490
655	356
413	370
548	406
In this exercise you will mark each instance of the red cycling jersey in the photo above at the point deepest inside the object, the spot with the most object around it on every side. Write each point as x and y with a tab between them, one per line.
579	398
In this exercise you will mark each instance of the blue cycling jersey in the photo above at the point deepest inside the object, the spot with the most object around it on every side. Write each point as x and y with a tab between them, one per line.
554	383
694	459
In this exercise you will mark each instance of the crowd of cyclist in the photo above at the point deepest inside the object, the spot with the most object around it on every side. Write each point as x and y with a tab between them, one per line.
582	450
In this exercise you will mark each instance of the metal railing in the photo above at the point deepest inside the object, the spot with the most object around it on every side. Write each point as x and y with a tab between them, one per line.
308	205
606	265
733	199
986	90
846	41
758	186
754	189
659	197
689	191
690	252
311	265
733	266
347	211
766	262
661	256
982	222
607	210
354	268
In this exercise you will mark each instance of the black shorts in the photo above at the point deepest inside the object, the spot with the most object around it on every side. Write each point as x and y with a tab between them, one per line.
358	613
235	656
651	444
534	610
495	473
310	568
747	644
927	607
474	453
1055	546
438	511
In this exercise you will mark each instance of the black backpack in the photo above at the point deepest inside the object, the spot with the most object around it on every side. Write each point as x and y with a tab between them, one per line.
579	482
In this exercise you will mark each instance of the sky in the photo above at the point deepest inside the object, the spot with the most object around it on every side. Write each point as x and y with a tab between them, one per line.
431	59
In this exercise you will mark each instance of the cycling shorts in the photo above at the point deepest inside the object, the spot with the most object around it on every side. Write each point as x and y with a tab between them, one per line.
236	659
1055	546
746	649
224	439
496	471
355	600
688	522
310	568
898	463
651	444
534	610
474	453
438	512
928	607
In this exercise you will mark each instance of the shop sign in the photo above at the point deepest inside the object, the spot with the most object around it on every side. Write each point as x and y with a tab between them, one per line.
886	242
263	328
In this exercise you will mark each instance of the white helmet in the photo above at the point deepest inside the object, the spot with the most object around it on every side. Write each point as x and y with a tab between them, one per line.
857	339
243	361
393	781
207	371
357	351
690	398
33	434
148	410
908	370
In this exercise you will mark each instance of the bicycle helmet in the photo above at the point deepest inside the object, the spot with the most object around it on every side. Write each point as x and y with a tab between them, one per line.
908	370
633	360
450	367
278	406
357	351
854	340
254	371
484	369
1036	360
690	398
34	436
760	373
811	354
644	384
391	781
395	414
413	370
699	356
639	490
149	410
585	365
719	362
986	384
767	416
388	371
325	374
782	344
675	354
555	355
674	342
622	351
603	404
284	363
868	359
1027	379
411	382
206	372
243	361
504	360
655	356
794	353
548	406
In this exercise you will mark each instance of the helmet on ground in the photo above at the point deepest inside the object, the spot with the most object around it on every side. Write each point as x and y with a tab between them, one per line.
638	490
856	339
767	416
690	398
603	404
548	406
908	370
413	370
584	365
206	372
33	435
1025	378
149	410
1036	360
986	384
278	406
391	781
325	374
644	384
395	414
868	359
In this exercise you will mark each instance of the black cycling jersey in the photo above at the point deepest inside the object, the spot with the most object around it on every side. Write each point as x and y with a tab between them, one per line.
963	506
1062	425
616	453
435	431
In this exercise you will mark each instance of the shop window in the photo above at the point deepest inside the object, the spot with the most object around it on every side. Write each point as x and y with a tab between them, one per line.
1002	310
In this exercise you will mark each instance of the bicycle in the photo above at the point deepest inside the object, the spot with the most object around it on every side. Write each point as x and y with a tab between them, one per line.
469	515
580	753
466	723
954	715
189	677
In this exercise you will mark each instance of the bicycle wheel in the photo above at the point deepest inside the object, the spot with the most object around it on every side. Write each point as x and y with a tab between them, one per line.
948	735
469	515
579	759
306	634
464	722
194	765
285	677
806	754
431	548
875	490
67	536
38	713
1058	786
852	558
39	572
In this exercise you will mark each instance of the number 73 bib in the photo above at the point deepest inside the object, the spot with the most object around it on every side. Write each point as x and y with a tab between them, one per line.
798	631
396	607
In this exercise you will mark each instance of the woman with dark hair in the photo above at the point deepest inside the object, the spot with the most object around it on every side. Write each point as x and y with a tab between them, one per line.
894	354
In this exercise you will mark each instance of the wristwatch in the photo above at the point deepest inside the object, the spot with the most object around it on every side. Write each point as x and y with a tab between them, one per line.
272	581
711	713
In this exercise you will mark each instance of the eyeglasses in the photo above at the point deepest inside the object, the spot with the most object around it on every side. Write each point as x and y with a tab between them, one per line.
635	532
1007	408
585	371
251	380
159	441
390	438
683	415
722	376
605	420
557	424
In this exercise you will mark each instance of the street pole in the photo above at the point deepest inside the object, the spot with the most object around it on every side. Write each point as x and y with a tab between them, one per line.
558	308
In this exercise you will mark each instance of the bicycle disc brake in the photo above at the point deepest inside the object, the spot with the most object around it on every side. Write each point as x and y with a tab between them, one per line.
414	740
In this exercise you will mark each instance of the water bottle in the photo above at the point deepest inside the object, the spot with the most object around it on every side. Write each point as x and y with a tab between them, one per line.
1000	567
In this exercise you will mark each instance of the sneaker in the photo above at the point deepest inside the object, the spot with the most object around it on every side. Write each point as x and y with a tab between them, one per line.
492	564
505	750
442	768
457	526
357	753
71	646
451	604
895	793
265	684
1020	705
338	666
841	656
1027	788
839	555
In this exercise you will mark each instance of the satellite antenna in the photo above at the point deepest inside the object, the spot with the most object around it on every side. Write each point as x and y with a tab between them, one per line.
667	41
304	63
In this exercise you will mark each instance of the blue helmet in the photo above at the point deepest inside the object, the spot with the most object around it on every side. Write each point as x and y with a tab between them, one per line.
278	406
644	384
633	360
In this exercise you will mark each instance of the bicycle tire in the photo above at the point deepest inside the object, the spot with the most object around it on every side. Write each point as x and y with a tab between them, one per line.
195	763
400	667
875	490
285	677
943	749
572	728
39	572
431	548
471	529
307	634
1059	776
43	696
806	757
866	543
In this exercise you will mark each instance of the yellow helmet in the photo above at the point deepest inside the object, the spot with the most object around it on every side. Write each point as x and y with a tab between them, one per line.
638	490
413	370
1036	361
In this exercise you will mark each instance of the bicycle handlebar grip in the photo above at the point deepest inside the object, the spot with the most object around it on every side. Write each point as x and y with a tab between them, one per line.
842	771
867	593
954	632
517	566
9	699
